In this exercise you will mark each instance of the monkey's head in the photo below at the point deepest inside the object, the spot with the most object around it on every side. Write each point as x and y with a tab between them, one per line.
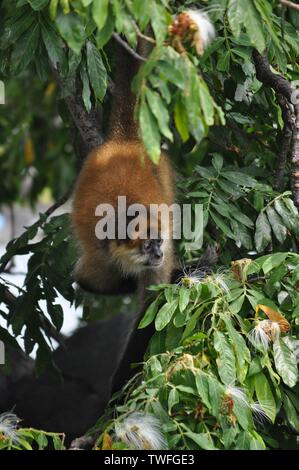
135	256
144	247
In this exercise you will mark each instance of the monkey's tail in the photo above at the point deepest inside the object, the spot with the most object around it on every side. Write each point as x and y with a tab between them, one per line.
122	123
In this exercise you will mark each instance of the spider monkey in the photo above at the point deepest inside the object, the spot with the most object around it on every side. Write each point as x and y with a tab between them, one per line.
121	167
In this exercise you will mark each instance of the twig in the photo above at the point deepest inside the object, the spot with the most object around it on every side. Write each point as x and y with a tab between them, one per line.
287	3
144	36
126	46
60	201
285	89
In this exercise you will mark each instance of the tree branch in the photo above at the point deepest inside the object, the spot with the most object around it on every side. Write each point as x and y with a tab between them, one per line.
126	46
287	3
290	110
287	132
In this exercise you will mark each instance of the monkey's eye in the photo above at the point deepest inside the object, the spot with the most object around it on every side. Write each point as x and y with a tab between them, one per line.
147	245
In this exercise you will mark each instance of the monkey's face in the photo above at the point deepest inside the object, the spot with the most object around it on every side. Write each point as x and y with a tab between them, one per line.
135	256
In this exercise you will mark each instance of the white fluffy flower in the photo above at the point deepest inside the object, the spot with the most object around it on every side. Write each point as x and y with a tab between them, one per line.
8	425
237	394
265	332
205	30
141	431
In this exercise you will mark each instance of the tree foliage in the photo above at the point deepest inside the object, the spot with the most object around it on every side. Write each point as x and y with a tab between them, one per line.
223	130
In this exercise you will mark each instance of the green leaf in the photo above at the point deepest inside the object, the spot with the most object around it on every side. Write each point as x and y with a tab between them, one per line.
291	412
97	71
202	385
285	363
149	132
222	225
203	440
264	395
38	4
273	261
159	21
206	101
239	178
181	120
278	227
184	297
263	232
25	49
254	26
173	399
53	43
160	112
165	314
226	359
242	353
150	314
224	62
72	30
104	35
235	14
100	12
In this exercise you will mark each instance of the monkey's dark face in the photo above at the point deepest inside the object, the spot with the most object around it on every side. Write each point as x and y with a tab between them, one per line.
135	256
153	252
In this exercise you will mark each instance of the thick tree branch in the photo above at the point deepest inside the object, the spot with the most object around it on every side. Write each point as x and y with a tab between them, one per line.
265	75
287	3
286	97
